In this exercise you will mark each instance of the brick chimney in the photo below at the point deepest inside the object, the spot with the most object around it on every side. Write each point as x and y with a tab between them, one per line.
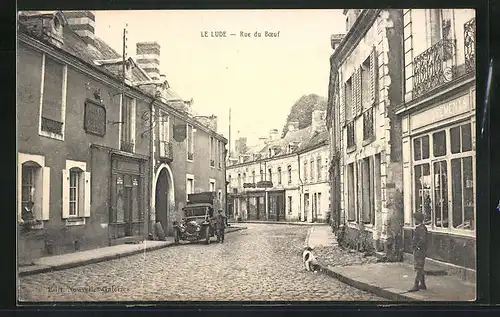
83	23
335	40
148	58
318	120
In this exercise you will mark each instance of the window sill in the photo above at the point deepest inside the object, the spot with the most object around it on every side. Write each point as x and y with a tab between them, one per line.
447	231
190	161
34	226
76	221
351	149
51	135
369	140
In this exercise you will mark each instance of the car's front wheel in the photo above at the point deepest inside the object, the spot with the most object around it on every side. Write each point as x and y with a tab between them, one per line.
176	236
207	235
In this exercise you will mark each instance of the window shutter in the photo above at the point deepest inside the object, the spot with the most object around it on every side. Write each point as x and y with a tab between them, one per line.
359	104
46	193
365	204
86	195
342	106
354	94
65	194
373	76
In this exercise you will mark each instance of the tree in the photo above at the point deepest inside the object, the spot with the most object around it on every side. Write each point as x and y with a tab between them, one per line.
302	110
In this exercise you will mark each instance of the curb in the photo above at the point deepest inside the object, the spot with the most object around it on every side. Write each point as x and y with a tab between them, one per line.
388	293
234	229
286	223
66	266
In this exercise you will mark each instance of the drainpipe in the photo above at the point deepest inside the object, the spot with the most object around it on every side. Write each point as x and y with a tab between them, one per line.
301	192
151	166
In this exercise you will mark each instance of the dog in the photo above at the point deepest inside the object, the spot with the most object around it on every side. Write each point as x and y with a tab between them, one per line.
310	263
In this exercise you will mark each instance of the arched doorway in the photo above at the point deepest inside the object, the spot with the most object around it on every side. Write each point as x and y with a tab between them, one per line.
164	198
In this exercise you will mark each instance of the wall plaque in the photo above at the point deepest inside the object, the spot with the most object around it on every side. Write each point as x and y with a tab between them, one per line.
94	118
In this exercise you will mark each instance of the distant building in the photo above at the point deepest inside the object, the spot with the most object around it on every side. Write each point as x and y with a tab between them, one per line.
84	151
282	179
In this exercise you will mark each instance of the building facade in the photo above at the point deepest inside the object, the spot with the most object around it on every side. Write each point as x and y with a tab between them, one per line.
365	87
438	130
283	179
84	167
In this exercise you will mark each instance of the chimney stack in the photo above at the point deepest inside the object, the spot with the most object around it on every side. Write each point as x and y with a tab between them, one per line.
273	134
318	120
83	23
148	58
335	40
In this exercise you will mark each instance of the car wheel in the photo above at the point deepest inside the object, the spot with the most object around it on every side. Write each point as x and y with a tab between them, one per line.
207	235
176	236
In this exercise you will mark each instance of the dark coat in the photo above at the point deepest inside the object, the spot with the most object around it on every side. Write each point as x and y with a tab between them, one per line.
220	222
419	245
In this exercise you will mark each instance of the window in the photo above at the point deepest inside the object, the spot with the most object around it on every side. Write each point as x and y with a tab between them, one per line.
33	189
244	178
289	174
351	211
366	84
289	205
439	143
312	170
53	98
270	174
279	175
164	135
261	175
368	124
189	186
76	192
270	153
212	152
305	171
212	185
319	169
229	179
190	142
349	115
421	148
253	177
128	125
239	180
445	177
461	139
318	210
351	141
367	191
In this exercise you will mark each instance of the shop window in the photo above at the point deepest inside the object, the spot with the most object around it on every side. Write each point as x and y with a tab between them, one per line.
439	143
440	195
423	202
421	148
461	138
351	211
463	193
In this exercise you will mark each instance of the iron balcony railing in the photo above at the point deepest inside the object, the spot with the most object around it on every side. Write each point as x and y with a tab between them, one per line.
470	45
127	146
368	124
434	67
350	135
52	126
166	150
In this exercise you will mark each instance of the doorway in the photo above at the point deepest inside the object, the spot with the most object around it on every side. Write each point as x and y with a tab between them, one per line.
164	198
306	206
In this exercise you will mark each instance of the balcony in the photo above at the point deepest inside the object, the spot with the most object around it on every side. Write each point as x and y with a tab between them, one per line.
190	156
470	45
368	125
127	146
166	151
351	141
434	67
52	126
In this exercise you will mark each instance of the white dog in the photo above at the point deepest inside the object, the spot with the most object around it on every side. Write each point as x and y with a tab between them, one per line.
309	260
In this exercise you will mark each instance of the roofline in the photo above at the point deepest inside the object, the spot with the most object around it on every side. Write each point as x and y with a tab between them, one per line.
97	72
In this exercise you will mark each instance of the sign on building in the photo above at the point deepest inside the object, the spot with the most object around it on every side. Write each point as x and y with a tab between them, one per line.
94	118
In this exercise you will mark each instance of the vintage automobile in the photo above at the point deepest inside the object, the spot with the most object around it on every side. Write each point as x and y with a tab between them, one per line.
196	224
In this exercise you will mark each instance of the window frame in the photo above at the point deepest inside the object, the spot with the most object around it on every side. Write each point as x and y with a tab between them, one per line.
190	142
132	125
41	132
189	177
289	169
448	157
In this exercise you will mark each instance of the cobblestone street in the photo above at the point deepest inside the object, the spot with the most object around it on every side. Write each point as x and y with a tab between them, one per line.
263	262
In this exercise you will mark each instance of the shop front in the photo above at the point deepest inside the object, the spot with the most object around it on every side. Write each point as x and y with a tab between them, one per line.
439	175
256	205
276	205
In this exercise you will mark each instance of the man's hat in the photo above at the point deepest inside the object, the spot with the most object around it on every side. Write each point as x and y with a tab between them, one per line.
418	216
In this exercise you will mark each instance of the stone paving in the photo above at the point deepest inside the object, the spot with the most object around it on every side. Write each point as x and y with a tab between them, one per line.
263	262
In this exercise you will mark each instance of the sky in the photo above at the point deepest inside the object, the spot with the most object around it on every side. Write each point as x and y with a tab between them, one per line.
258	78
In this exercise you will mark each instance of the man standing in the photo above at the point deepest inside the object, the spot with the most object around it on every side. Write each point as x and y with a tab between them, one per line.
220	225
419	251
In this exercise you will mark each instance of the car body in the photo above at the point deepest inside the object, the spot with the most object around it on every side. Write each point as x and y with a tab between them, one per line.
197	223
